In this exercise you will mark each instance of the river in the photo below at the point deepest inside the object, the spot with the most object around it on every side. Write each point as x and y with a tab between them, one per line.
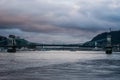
59	65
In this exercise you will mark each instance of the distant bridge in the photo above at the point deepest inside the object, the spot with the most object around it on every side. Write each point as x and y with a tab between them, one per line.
12	43
12	46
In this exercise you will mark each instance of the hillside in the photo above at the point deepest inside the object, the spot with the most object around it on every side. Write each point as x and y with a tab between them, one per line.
3	40
101	39
19	42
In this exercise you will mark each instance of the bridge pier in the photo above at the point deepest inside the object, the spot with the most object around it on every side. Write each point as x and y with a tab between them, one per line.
11	50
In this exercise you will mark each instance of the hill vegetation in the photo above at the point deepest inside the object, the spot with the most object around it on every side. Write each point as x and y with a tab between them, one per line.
101	39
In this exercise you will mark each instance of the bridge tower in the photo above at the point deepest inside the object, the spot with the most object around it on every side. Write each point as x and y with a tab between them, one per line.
11	44
109	44
96	48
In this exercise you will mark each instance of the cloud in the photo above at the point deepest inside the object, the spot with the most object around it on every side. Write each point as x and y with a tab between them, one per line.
70	19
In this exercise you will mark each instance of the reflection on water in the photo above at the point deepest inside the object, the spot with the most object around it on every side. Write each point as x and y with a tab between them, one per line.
59	65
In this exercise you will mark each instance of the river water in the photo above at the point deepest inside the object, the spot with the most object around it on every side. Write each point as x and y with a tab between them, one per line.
59	65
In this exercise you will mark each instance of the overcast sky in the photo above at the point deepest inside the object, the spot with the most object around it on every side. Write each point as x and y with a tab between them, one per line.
58	21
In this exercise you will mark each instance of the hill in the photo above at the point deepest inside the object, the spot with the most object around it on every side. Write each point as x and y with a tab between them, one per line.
19	42
101	39
3	41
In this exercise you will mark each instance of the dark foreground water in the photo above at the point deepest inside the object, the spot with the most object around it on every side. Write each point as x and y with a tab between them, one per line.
59	65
